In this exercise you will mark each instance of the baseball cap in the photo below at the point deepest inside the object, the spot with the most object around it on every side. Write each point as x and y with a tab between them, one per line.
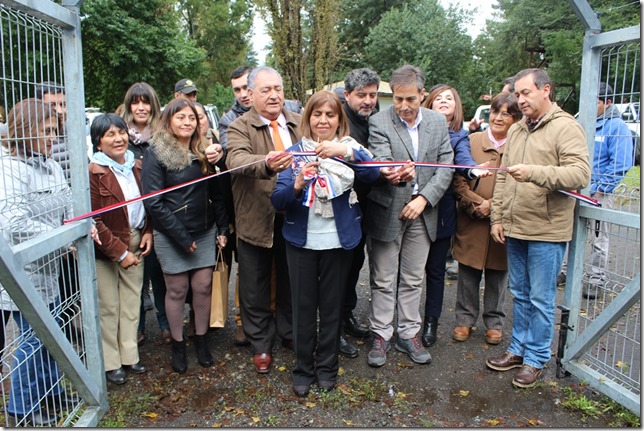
605	89
185	86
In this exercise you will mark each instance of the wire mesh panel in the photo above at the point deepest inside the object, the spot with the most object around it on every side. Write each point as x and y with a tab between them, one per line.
35	198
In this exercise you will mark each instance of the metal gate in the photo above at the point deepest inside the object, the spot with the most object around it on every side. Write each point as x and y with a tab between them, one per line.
601	312
40	282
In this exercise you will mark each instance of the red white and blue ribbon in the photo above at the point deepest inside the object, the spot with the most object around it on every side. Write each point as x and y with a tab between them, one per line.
583	198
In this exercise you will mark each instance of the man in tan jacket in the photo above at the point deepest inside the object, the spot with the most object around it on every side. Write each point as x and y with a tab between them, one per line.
261	135
545	152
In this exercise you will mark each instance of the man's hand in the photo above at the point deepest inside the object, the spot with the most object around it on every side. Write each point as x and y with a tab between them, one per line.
520	172
413	209
146	244
214	153
407	171
278	161
475	125
130	260
391	175
497	233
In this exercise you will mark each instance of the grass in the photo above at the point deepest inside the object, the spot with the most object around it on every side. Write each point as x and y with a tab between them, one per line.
595	408
632	178
128	406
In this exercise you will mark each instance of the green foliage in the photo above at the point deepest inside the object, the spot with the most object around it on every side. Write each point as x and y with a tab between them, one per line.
221	96
126	41
222	30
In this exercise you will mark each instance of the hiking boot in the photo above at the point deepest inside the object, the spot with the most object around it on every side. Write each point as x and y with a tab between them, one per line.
414	349
378	354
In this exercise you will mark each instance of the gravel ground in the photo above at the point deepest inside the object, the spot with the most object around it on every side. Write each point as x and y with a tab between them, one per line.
455	390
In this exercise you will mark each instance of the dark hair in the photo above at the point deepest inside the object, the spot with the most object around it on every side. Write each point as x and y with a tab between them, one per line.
137	92
509	81
48	87
407	75
605	91
23	121
240	71
197	145
101	125
539	77
319	98
456	123
360	78
505	98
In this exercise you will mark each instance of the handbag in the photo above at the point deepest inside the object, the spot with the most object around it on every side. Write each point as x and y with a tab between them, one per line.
219	293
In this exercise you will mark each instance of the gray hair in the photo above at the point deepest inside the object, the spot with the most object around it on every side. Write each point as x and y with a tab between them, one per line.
360	78
407	75
539	76
256	71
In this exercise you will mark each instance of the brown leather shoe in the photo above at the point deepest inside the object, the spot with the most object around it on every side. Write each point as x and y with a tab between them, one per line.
493	336
166	336
262	362
505	362
461	333
527	376
240	338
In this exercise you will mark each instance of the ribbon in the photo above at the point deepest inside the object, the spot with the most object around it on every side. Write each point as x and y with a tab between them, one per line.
575	195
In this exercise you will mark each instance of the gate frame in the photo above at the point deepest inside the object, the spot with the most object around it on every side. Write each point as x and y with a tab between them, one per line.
89	381
576	345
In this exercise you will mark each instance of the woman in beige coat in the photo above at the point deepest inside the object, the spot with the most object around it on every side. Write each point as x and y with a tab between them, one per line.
473	246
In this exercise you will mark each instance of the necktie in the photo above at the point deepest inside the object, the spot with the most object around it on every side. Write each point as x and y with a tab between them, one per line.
277	140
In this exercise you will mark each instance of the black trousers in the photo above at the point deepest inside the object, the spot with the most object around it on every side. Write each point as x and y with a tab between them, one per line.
255	267
350	295
435	276
318	278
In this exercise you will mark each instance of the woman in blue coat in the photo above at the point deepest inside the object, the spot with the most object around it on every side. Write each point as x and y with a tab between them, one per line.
321	228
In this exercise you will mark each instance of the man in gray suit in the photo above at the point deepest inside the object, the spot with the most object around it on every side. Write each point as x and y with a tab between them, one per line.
401	221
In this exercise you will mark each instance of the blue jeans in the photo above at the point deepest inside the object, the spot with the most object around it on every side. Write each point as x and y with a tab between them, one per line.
34	372
533	268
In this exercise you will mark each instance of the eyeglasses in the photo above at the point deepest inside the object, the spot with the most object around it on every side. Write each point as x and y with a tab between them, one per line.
504	114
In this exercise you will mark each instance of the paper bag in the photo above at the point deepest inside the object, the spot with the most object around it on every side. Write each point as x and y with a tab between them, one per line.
219	293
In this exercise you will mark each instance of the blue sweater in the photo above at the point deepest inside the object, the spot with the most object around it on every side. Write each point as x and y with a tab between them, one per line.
347	217
447	205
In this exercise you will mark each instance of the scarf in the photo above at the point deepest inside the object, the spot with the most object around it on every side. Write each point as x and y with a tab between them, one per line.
332	180
101	159
139	137
497	143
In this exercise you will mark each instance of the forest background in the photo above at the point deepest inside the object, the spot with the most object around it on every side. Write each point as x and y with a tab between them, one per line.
316	42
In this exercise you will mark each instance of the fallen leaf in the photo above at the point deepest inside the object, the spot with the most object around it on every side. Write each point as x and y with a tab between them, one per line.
534	422
463	393
150	415
310	405
255	419
492	422
340	371
404	365
469	356
216	425
401	395
282	368
228	408
347	422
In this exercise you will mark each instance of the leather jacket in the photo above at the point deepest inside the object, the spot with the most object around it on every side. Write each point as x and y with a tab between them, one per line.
187	210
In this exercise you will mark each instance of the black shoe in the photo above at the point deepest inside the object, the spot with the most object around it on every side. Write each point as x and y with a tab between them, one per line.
118	376
430	327
347	348
179	361
326	385
137	368
301	390
201	348
353	328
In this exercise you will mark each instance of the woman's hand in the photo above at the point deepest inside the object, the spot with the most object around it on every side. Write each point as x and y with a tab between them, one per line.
308	172
214	153
480	171
222	240
93	232
328	149
192	247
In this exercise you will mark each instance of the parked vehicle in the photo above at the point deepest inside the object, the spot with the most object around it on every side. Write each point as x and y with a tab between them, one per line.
482	114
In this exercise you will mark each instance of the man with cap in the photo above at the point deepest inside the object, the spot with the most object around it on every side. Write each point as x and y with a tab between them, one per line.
186	88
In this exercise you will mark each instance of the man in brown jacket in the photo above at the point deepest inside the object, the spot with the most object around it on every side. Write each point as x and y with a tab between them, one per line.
544	153
260	136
